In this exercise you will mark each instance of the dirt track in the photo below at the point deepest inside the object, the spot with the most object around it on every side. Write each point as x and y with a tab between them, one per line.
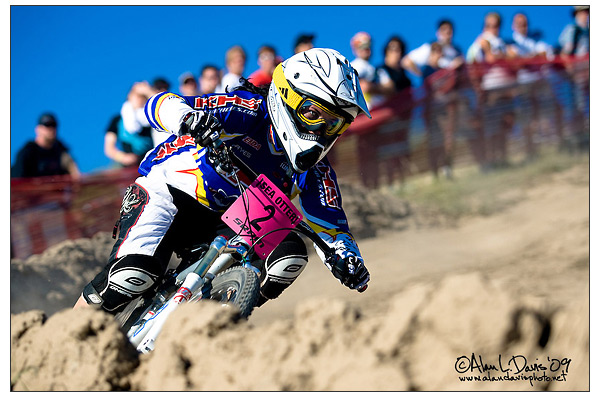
515	283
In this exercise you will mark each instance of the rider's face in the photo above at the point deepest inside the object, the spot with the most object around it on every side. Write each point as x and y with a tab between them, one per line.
330	123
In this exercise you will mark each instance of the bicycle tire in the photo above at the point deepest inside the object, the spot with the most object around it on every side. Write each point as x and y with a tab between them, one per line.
237	286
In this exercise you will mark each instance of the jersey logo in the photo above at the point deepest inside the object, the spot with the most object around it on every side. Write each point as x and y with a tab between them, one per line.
217	101
329	192
166	149
252	143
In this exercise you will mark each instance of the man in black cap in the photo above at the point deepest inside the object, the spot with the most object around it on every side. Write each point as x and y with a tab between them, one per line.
45	155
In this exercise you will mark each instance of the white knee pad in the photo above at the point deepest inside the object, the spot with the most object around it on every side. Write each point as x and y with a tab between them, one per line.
283	266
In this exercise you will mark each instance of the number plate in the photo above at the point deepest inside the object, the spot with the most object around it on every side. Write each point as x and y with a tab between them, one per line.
261	210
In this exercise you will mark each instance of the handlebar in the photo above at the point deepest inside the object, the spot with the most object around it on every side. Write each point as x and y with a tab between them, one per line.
225	161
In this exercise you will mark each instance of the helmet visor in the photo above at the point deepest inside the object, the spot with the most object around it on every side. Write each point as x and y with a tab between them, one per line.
320	120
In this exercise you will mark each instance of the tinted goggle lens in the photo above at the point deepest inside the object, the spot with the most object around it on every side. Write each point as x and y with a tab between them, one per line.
316	117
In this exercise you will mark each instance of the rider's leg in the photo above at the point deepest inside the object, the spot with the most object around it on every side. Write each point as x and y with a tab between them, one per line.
134	265
122	280
156	219
283	266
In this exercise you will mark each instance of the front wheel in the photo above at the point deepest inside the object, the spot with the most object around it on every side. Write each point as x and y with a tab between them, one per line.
237	286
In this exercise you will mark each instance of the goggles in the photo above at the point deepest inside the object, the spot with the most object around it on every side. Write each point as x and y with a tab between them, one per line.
315	117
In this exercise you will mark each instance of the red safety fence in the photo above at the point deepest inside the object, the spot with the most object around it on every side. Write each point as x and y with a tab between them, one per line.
487	114
47	210
479	114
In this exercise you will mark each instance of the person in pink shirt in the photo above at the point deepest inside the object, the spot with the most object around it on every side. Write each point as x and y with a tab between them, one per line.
267	61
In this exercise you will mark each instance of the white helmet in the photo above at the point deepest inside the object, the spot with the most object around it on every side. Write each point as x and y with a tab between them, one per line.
313	98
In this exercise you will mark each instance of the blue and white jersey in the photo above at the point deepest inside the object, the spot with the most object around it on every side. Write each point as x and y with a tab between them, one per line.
247	130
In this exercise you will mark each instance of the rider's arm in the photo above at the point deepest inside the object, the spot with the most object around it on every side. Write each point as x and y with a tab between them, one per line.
321	202
165	112
237	111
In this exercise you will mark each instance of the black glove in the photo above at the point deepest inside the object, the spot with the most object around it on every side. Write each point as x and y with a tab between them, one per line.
351	271
203	126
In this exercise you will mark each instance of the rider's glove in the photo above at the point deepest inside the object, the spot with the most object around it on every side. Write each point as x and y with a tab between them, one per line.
203	126
350	270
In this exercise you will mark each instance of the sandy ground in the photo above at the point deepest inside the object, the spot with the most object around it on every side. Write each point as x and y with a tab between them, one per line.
504	296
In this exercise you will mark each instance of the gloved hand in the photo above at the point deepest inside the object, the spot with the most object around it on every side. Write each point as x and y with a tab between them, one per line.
203	126
350	270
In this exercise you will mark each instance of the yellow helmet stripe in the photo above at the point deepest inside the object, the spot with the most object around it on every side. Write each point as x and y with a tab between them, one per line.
289	96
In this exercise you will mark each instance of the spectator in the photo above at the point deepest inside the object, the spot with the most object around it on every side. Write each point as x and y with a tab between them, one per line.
575	42
45	155
160	84
115	150
134	125
391	75
128	138
531	84
210	79
267	61
441	102
389	147
521	44
188	85
575	37
303	42
419	59
488	46
494	113
235	62
361	47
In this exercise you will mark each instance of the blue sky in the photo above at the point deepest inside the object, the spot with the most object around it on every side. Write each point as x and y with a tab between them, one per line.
80	61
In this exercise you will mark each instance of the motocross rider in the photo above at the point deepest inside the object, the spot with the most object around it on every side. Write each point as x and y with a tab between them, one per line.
284	134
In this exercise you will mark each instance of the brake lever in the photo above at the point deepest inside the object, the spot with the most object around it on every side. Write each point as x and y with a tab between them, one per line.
220	158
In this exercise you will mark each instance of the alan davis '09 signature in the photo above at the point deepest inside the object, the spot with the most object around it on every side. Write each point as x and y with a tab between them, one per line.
514	367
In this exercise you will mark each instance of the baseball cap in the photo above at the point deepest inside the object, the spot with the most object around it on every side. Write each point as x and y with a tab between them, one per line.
361	40
48	120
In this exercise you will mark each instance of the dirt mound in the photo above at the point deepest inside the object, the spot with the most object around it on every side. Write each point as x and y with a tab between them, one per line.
427	332
53	280
73	350
369	212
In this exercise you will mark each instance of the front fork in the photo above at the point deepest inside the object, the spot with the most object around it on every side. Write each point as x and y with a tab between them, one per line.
218	258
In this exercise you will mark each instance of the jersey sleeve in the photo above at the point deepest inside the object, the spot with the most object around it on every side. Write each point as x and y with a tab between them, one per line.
321	202
237	111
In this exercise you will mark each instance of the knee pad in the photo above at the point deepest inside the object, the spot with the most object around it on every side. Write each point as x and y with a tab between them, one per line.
122	280
283	266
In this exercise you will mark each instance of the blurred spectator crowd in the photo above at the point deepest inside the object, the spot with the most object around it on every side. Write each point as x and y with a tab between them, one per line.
503	96
507	75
